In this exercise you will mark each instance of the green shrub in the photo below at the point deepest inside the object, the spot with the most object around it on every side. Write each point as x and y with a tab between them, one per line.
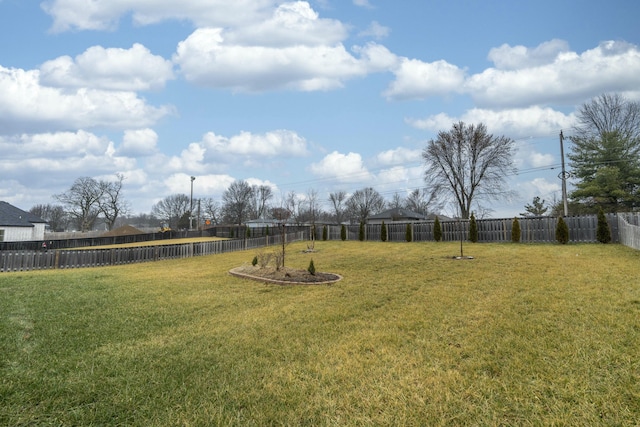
437	230
231	233
266	232
383	232
324	233
361	232
255	260
248	232
562	232
312	268
473	229
407	233
603	232
343	233
515	231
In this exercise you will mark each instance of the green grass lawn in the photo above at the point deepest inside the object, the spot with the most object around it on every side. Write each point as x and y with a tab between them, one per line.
520	335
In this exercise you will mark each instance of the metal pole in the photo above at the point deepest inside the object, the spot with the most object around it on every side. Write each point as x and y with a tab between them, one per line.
191	205
564	177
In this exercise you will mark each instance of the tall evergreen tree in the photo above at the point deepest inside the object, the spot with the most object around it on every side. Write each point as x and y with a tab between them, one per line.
343	233
605	156
407	233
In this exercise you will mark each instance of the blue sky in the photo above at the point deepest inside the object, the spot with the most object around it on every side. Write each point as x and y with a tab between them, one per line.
321	95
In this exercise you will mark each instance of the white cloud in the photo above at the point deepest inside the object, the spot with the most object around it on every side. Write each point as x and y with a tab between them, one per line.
512	58
215	152
131	69
270	145
345	168
206	184
362	3
515	123
60	154
376	31
539	160
105	15
292	24
139	142
532	78
418	80
399	156
208	58
26	105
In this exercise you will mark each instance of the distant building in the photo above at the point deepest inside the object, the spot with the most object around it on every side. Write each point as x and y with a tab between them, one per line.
396	214
17	225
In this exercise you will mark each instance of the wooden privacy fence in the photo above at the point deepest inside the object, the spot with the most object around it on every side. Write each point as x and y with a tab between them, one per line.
629	230
65	259
532	230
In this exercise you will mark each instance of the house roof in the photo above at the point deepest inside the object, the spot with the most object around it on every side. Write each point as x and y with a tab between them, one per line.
10	216
397	214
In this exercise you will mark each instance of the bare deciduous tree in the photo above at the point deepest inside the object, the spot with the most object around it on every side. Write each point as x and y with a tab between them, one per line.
111	203
211	209
467	164
420	201
237	202
364	203
171	209
82	202
337	200
262	194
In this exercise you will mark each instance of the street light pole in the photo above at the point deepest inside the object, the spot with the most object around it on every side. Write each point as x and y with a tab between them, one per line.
193	178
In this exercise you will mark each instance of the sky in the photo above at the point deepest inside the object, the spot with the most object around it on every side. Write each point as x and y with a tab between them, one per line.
325	95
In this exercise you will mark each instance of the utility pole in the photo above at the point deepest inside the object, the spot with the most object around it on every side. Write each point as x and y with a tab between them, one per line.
563	176
193	178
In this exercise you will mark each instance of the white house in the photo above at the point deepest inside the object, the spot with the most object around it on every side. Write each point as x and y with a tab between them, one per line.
17	225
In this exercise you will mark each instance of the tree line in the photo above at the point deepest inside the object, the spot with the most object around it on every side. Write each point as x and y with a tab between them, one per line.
465	169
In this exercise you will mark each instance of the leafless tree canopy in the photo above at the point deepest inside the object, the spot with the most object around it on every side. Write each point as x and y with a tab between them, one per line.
364	203
337	200
467	164
237	202
607	114
88	198
172	208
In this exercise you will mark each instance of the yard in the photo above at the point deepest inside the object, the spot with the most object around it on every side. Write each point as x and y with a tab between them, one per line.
520	335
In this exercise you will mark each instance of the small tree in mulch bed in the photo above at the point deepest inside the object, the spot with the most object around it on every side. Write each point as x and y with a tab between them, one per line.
312	268
437	230
407	233
383	232
473	229
603	232
515	231
562	232
343	233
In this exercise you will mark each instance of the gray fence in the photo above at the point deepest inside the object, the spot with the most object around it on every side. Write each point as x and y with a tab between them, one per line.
582	229
629	230
65	259
625	229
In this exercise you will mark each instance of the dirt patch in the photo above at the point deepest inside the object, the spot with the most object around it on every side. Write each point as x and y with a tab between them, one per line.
285	276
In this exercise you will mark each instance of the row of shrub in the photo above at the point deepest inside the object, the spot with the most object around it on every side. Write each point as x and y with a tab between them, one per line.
603	232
